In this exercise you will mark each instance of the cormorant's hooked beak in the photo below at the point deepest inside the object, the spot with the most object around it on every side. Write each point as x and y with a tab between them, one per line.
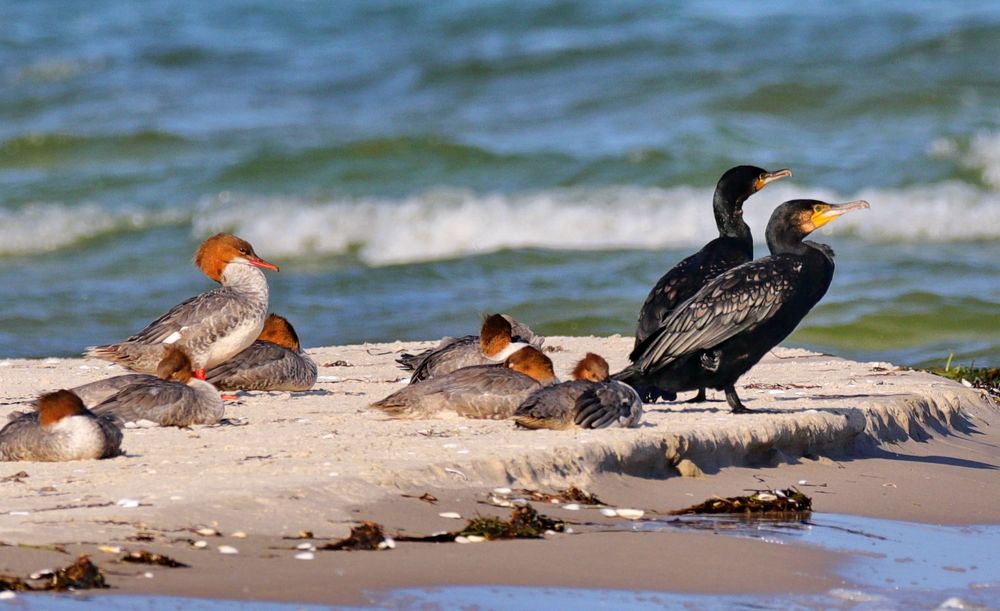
768	177
824	213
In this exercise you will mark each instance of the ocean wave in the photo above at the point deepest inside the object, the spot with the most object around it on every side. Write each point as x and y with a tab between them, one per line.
45	147
446	224
46	227
980	154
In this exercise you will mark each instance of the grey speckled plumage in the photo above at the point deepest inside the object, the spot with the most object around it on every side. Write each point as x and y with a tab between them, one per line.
452	354
95	392
166	402
581	403
210	328
264	366
79	437
483	391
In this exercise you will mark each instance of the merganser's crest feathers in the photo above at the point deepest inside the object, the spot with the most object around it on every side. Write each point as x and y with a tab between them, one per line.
55	406
174	366
592	367
494	335
278	330
531	362
220	250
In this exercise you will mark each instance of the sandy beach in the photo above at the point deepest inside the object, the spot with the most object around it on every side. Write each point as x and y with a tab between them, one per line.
865	438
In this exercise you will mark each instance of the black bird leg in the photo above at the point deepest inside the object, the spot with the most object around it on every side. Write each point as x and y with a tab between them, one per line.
700	397
734	401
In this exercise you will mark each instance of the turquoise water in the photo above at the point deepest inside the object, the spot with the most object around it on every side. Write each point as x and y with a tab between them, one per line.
411	165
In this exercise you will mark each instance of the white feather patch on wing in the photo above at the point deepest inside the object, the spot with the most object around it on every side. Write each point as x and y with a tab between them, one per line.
172	338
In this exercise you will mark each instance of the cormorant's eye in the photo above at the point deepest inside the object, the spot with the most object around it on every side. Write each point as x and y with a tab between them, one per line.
818	208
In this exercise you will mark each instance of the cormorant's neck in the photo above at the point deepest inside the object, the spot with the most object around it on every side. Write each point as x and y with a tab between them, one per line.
729	216
779	243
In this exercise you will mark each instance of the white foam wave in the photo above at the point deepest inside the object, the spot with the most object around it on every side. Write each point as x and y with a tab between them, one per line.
451	223
45	227
981	153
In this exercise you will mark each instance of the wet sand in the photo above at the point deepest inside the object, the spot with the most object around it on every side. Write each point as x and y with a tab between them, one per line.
927	450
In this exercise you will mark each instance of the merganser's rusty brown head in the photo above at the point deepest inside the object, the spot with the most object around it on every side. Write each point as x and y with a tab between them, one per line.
220	250
531	362
278	330
55	406
592	368
495	335
175	365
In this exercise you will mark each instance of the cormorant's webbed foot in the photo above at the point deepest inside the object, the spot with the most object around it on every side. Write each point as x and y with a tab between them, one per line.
650	394
699	398
734	402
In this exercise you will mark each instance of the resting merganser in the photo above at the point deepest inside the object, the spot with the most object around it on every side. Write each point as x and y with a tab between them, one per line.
500	337
212	327
590	401
175	398
274	362
60	429
95	392
482	391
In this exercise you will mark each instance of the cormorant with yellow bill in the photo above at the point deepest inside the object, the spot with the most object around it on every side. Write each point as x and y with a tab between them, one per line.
715	337
733	247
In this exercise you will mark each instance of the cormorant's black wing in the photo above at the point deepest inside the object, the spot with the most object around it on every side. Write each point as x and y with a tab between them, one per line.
732	303
683	281
673	288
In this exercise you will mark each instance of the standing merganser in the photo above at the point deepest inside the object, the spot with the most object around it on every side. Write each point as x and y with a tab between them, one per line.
175	398
211	327
733	247
500	337
483	391
590	400
274	362
59	429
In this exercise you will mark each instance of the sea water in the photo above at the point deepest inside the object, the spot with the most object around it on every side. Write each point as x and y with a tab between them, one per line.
412	165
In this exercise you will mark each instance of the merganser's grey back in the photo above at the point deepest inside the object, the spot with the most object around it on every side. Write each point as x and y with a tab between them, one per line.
95	392
483	391
166	402
265	366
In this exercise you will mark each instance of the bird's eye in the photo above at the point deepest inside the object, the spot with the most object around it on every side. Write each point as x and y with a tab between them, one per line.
243	251
818	208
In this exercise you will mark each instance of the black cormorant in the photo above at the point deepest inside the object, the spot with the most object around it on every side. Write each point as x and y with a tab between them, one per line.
733	247
716	336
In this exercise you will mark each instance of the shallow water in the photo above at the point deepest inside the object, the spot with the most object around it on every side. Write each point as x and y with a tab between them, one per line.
411	165
892	565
